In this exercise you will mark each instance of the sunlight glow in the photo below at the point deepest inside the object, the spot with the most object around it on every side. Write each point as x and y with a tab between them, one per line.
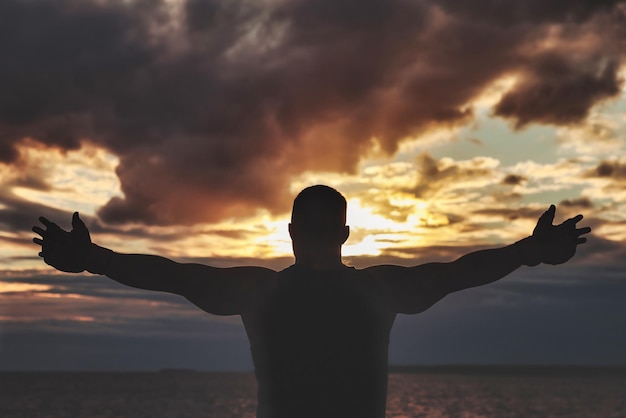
493	93
362	217
82	318
14	287
64	296
82	180
367	246
374	233
277	242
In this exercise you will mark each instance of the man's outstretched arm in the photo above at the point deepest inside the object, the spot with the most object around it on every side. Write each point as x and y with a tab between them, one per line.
222	291
414	289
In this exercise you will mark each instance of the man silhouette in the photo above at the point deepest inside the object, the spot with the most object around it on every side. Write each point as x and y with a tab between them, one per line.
318	330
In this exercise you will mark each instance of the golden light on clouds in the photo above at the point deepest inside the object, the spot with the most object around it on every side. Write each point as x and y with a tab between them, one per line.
277	241
385	210
80	180
10	287
447	187
362	219
494	92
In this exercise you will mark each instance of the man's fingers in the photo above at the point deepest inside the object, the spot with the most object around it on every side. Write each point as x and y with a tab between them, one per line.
51	228
581	231
547	217
581	240
38	241
79	227
48	223
550	212
77	223
571	222
53	235
39	231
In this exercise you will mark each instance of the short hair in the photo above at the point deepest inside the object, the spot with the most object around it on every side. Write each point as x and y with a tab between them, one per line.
319	205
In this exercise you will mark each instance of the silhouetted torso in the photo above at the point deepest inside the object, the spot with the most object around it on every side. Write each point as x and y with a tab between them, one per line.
319	343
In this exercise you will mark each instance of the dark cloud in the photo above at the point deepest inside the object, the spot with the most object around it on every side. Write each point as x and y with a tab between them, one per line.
96	305
29	181
581	202
603	253
511	213
531	11
513	179
535	315
83	285
433	176
19	215
609	168
211	116
521	320
559	89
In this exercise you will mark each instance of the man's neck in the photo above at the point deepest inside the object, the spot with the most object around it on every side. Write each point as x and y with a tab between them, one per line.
319	263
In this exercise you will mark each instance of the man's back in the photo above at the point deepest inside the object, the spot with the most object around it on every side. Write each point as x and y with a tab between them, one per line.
319	342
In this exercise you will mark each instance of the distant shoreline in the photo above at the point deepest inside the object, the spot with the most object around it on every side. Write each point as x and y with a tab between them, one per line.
513	370
456	369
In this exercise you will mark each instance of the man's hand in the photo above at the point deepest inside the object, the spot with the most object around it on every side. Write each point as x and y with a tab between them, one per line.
65	251
554	244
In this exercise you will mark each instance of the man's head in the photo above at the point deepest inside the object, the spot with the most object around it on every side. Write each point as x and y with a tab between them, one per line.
318	220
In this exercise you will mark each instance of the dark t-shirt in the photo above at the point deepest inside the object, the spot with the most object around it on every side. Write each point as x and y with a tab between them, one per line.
319	342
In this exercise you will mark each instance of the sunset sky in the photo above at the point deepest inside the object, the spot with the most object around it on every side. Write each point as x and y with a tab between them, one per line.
186	128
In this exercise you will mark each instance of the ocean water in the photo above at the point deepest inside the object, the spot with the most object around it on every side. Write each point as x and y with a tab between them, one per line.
227	395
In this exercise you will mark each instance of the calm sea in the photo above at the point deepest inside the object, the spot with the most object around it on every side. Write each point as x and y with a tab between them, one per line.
221	395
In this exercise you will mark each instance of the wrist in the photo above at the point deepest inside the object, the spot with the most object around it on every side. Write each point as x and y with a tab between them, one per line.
98	259
528	251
